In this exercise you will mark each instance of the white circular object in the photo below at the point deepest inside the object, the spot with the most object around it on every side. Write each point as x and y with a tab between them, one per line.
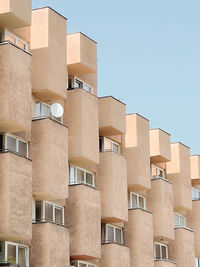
57	110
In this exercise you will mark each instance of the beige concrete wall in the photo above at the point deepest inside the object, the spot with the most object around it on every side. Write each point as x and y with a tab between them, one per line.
182	249
15	14
15	89
160	149
139	225
115	255
48	46
159	263
81	115
81	54
112	116
160	202
137	152
178	172
49	152
112	181
83	215
193	221
50	245
15	197
195	169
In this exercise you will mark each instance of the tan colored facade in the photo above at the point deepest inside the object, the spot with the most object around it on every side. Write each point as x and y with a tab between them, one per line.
83	184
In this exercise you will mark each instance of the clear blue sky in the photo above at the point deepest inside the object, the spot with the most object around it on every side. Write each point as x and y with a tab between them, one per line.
148	57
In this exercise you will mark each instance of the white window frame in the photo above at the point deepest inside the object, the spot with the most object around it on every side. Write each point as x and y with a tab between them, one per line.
84	262
42	104
157	169
137	196
17	143
17	245
197	262
179	218
114	227
195	193
112	143
85	172
74	78
16	38
43	219
161	245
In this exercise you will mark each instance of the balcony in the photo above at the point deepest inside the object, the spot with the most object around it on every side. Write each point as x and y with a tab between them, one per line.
81	54
49	152
49	76
50	245
16	216
193	219
137	153
115	255
12	15
160	201
83	215
178	172
140	224
15	89
164	263
160	150
182	248
112	116
81	115
111	180
195	169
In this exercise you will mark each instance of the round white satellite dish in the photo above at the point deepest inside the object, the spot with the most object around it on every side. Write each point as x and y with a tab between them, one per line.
57	110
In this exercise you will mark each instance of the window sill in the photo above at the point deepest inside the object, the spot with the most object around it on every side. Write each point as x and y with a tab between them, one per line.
183	227
91	186
160	178
166	260
140	209
48	221
112	243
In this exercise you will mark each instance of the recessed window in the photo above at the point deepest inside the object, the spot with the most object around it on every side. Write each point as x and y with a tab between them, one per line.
106	145
197	262
112	234
81	176
179	220
82	264
46	211
12	143
43	110
157	172
6	35
14	253
160	251
136	201
195	194
76	83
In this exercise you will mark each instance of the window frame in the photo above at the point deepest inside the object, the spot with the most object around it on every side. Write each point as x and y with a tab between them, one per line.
42	104
85	173
86	263
114	227
157	169
16	39
196	192
112	143
161	245
137	199
82	83
179	218
5	143
17	245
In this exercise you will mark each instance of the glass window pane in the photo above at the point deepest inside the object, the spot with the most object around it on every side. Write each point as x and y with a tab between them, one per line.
58	215
11	254
157	251
89	178
1	141
176	219
22	148
45	111
22	256
38	211
82	264
1	251
164	252
141	202
10	38
37	109
80	175
118	234
11	143
21	44
107	145
48	212
182	221
161	173
116	148
154	172
134	201
72	175
78	84
86	87
110	233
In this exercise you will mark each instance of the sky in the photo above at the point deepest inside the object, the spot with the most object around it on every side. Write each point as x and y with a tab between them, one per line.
148	57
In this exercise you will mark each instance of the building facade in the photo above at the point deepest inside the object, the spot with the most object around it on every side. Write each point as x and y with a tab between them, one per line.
82	183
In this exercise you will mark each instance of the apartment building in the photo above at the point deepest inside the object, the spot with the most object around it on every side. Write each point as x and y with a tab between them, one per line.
82	183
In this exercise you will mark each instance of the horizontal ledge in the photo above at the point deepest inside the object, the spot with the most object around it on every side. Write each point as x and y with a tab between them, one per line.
7	42
165	180
15	153
148	211
49	118
46	221
93	187
184	227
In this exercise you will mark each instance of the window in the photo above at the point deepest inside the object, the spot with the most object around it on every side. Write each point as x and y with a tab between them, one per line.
81	176
12	143
157	172
75	83
112	234
46	211
160	251
43	110
195	194
136	201
12	38
82	264
14	253
197	262
179	220
106	144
